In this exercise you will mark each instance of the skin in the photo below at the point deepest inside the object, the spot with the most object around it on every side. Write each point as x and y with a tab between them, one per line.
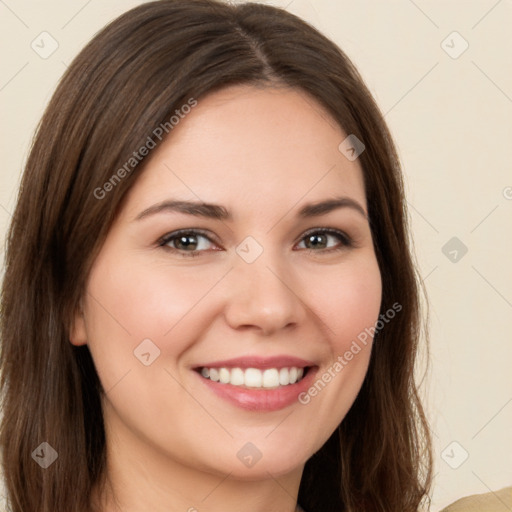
172	444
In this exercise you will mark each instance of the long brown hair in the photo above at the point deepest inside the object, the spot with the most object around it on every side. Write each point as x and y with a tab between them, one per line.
126	82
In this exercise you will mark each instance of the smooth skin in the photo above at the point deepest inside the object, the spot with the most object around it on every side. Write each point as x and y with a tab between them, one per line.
172	444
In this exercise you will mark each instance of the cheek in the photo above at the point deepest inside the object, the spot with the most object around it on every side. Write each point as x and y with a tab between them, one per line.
348	300
145	299
348	306
131	301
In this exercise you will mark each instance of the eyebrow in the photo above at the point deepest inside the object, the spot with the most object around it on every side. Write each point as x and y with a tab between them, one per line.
215	211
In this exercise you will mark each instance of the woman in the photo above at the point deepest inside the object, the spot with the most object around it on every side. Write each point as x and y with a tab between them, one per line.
209	301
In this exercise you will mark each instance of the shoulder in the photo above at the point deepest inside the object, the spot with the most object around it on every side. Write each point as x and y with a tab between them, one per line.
496	501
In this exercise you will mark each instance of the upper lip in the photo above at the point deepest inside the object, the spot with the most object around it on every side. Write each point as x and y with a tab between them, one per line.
259	362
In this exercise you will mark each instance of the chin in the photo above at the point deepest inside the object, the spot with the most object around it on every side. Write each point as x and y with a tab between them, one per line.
264	471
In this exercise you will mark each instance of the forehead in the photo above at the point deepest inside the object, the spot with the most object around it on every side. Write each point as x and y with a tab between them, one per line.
261	147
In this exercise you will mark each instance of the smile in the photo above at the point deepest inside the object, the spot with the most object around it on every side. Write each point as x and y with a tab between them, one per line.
268	378
258	383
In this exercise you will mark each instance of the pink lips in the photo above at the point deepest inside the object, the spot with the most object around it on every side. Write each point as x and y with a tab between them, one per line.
259	362
258	399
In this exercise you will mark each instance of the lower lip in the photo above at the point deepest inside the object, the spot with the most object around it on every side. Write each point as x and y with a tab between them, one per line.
260	399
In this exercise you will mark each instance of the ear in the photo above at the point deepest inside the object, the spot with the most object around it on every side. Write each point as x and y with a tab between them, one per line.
78	331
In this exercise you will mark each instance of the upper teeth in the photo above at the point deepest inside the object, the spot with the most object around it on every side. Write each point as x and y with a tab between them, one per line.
253	377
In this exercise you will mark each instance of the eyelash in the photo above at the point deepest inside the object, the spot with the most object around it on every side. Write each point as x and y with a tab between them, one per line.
346	241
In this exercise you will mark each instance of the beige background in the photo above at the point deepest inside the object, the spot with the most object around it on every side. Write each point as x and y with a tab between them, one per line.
452	121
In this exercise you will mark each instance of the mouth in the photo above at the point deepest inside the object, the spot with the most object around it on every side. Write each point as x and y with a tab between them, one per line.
255	378
258	384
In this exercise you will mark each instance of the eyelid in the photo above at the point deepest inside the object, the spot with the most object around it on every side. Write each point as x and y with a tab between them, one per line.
187	231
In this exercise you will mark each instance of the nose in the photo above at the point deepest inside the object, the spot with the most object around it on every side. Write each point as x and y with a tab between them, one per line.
263	298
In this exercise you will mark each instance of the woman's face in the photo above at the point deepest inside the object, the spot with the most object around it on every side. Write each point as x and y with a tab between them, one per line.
274	276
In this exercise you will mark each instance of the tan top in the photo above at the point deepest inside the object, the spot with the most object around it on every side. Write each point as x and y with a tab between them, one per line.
496	501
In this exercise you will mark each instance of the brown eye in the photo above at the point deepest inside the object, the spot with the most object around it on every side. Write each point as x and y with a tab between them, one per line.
325	240
187	243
